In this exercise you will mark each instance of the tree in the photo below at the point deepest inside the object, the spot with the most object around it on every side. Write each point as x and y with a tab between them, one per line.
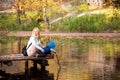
22	6
95	2
50	7
115	3
43	9
17	7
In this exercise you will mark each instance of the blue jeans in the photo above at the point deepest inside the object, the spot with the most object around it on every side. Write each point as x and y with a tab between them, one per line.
47	51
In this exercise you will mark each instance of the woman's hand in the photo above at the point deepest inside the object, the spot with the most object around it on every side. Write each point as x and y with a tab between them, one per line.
42	51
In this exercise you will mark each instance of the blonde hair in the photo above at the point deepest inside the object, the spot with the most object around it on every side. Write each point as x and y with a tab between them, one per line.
35	29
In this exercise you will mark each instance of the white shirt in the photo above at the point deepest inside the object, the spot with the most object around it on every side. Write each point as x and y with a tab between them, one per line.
34	47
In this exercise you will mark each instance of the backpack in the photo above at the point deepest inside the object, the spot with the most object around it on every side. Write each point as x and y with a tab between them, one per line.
24	50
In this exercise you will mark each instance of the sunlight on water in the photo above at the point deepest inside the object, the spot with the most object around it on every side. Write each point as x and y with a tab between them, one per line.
80	59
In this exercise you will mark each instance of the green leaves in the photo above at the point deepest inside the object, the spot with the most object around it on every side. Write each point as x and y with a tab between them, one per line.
90	23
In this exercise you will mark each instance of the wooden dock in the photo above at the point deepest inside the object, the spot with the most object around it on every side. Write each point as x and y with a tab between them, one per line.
19	57
6	58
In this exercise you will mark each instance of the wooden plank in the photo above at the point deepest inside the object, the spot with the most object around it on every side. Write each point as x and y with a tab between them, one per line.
18	57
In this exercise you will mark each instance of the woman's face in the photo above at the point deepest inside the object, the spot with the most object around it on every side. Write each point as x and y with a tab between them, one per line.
36	33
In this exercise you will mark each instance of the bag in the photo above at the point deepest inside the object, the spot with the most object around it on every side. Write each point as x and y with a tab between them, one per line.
24	50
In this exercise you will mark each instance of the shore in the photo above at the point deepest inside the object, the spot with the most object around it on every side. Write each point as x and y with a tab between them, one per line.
28	33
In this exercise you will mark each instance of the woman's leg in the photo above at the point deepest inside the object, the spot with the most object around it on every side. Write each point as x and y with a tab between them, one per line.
40	54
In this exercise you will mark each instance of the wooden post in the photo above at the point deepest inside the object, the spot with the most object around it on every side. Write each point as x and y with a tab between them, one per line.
44	63
43	68
19	44
26	70
0	65
35	64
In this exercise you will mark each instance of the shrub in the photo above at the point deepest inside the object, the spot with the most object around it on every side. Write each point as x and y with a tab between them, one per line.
89	23
82	7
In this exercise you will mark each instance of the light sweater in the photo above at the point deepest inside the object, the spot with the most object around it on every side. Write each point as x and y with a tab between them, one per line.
34	47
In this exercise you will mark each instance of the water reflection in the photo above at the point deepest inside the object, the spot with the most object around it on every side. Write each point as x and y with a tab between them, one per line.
34	74
42	75
8	76
79	59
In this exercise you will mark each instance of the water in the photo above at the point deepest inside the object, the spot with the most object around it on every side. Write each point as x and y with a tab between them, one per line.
81	58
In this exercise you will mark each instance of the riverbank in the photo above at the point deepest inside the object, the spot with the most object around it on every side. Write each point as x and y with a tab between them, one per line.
28	33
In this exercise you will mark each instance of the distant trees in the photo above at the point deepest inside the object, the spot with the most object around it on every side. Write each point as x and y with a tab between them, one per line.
42	8
22	6
95	2
115	3
6	4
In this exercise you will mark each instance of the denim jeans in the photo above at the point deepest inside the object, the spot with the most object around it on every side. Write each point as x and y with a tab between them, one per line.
47	51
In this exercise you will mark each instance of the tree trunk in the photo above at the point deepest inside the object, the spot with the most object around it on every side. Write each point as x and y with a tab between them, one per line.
18	11
45	16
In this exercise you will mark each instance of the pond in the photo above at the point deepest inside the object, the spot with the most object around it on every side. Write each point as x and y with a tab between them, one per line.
80	58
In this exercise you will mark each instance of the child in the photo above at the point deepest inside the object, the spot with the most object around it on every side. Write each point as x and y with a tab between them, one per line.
47	50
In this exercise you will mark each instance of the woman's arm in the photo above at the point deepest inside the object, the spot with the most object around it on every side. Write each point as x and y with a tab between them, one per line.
37	44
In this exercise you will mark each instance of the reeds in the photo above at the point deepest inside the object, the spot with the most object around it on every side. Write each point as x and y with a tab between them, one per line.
90	23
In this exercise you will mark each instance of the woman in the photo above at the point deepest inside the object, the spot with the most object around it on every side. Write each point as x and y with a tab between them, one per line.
34	46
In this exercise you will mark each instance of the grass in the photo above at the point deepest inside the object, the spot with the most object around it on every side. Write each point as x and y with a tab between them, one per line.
104	22
9	22
108	21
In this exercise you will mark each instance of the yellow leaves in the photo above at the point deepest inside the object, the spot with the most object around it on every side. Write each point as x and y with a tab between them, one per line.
51	3
52	7
36	5
42	39
110	13
82	7
28	4
42	26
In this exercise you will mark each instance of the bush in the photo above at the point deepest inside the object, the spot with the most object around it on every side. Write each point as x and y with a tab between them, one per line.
82	7
89	23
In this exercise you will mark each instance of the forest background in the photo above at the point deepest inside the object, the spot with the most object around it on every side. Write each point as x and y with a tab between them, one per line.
60	15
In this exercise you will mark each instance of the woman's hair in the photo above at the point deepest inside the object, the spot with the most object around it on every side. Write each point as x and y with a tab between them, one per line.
35	29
